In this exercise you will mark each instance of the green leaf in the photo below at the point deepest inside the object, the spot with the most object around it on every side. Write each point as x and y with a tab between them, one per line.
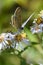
32	37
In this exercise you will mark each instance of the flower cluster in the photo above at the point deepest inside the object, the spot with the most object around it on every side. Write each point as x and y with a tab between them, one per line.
38	24
8	40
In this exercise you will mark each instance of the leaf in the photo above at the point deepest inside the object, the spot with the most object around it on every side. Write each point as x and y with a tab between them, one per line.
31	37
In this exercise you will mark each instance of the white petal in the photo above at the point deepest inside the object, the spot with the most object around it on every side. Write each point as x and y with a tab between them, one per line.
26	41
21	46
0	46
17	45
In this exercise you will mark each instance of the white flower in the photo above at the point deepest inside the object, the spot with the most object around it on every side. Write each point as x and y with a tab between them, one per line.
41	27
20	38
19	44
37	28
9	36
35	31
5	40
41	14
8	40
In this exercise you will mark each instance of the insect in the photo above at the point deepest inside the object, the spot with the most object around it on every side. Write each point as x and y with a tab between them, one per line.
8	40
17	23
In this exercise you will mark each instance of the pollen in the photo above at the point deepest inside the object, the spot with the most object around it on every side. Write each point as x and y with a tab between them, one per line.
1	38
23	35
39	20
18	37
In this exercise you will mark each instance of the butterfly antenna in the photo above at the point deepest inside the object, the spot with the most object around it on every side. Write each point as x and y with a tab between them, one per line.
23	25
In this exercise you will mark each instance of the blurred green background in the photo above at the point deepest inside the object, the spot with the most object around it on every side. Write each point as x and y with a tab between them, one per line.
32	54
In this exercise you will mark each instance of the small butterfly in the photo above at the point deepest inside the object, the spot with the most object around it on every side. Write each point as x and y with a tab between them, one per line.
8	40
16	19
17	23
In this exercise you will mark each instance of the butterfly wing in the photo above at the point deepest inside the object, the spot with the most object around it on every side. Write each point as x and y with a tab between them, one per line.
17	18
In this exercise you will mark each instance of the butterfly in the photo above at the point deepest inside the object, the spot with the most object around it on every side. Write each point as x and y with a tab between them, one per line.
16	21
12	40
